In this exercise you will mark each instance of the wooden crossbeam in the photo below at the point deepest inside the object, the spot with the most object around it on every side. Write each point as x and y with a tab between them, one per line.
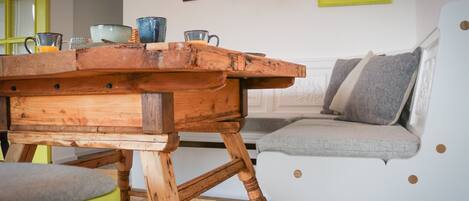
121	113
163	142
269	83
138	193
202	183
211	127
114	84
97	159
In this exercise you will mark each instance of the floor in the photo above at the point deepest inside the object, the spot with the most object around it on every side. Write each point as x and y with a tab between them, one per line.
111	171
198	199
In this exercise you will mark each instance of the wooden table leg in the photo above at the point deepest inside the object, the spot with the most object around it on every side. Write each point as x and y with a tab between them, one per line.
20	153
159	176
235	146
158	118
123	172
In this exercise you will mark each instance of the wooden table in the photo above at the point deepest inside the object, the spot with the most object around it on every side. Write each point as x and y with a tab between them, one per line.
137	97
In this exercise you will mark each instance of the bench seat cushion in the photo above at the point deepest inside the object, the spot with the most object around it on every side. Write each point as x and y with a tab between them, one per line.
31	182
326	137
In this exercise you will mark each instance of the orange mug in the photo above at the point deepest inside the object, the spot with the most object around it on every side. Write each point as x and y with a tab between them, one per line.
45	42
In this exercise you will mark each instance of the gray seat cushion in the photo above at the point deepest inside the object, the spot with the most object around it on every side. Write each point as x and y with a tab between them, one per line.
35	182
325	137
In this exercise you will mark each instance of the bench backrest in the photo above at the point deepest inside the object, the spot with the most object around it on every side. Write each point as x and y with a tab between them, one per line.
419	103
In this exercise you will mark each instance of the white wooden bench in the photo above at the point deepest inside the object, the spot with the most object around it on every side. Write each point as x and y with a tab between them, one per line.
424	159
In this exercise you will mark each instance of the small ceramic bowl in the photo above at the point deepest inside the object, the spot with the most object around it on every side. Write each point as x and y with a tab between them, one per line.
110	32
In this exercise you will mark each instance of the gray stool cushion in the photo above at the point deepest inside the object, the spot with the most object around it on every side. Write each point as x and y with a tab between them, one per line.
325	137
36	182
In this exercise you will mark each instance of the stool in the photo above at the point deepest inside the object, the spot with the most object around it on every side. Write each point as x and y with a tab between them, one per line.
38	182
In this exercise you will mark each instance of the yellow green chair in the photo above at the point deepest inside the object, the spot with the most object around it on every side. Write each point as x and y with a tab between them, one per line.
30	182
30	171
43	155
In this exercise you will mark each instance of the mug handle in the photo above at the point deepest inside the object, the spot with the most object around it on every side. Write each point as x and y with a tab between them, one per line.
214	36
60	42
26	43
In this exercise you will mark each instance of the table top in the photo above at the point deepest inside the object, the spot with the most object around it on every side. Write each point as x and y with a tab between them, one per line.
143	58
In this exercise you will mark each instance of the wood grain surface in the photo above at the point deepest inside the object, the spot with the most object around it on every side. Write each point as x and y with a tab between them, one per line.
120	83
92	112
169	57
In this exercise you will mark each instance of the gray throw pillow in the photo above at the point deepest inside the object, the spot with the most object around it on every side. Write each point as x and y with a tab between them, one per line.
340	71
383	88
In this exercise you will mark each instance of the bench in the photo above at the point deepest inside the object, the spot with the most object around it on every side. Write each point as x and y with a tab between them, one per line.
424	156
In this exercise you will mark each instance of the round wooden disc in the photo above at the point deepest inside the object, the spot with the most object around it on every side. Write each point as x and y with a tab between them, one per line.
297	173
465	25
413	179
441	148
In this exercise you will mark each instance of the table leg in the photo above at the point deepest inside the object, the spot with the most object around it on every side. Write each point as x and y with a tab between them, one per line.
123	172
21	153
159	176
235	146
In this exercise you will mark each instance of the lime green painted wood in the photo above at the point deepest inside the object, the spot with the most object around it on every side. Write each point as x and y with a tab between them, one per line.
4	17
112	196
41	24
8	25
42	15
329	3
43	154
13	40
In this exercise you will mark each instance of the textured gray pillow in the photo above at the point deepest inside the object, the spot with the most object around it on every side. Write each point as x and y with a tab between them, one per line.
32	182
341	69
383	88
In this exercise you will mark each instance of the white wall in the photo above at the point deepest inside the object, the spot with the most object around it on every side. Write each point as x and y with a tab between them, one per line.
287	29
428	13
74	17
61	17
91	12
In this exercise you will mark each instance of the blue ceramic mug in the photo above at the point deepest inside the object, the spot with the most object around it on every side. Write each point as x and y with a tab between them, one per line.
152	29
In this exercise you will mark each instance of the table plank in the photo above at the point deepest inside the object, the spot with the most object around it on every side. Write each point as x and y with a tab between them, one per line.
38	64
173	57
166	142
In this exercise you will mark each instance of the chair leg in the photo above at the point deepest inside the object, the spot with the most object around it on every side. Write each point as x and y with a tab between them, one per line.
159	176
20	153
236	148
123	172
4	142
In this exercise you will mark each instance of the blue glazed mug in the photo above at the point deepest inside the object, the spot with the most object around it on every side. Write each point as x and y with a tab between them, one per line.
152	29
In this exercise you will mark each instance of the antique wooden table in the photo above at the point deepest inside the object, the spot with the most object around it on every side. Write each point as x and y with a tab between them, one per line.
137	97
